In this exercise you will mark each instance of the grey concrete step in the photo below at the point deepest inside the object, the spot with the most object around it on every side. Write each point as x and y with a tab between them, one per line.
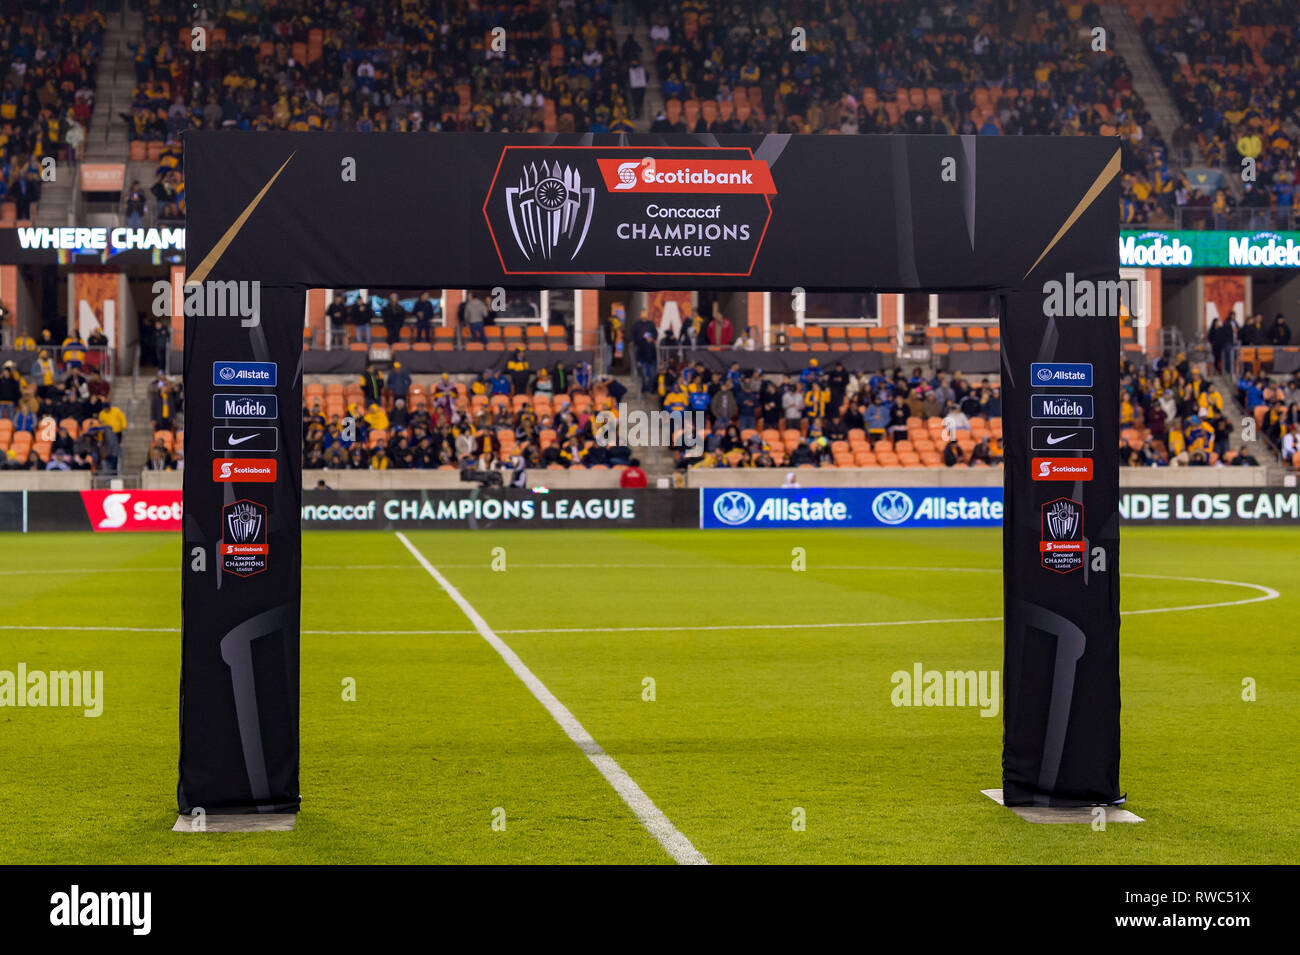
655	461
654	99
1125	39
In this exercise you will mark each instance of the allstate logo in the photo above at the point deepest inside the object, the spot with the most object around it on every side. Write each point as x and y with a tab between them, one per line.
733	508
227	373
892	507
1044	374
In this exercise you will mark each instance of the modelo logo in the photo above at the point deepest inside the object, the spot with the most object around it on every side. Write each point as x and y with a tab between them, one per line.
1161	251
257	407
892	507
1243	252
734	508
133	510
1059	406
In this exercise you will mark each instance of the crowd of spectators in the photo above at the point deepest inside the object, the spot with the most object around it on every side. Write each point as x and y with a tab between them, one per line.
1172	415
983	67
535	415
1274	404
166	411
48	60
826	417
1234	72
986	67
1226	338
56	411
388	66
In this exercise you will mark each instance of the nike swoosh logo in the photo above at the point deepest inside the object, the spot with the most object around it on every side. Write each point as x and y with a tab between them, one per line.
249	437
1051	438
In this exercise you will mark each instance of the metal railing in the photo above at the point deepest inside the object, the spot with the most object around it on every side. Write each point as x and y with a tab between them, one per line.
1235	220
102	358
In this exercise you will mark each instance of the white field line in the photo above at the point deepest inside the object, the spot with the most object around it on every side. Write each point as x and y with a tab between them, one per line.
58	571
1265	593
650	815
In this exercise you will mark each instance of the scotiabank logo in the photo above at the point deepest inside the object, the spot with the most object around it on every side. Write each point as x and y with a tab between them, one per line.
251	470
657	174
133	510
1062	469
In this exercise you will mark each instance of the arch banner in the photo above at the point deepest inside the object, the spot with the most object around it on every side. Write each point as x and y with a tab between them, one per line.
1029	219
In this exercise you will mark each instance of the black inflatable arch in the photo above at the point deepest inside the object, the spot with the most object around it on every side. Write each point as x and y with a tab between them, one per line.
294	211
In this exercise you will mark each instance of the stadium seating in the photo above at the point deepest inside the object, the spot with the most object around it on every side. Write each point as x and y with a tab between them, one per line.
498	424
1233	70
342	68
51	57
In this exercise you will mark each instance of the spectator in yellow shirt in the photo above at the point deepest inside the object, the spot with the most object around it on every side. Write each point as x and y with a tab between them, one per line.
1210	401
74	351
1200	438
113	417
1177	445
376	418
816	401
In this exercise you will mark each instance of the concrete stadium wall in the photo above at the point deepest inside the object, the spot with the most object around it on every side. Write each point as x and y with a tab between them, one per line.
847	477
45	481
749	477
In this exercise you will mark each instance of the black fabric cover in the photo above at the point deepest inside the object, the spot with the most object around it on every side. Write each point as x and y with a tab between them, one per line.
849	213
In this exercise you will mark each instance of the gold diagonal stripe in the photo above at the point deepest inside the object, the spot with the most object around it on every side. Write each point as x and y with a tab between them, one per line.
219	249
1101	182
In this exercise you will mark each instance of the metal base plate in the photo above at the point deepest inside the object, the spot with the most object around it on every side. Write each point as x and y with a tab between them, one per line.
239	822
1054	814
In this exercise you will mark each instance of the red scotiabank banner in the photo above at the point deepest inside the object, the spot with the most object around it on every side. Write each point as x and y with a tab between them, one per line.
133	510
657	174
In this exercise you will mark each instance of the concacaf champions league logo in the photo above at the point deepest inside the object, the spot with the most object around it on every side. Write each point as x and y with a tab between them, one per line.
1062	542
243	538
550	211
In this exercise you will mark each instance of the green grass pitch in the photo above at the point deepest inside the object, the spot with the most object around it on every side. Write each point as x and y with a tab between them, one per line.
757	710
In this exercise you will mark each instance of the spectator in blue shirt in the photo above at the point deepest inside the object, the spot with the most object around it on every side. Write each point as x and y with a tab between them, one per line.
876	418
399	381
1252	393
810	374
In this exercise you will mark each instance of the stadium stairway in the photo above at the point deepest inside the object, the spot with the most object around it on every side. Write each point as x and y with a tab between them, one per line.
1236	414
656	462
57	207
654	100
139	429
1125	39
107	140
